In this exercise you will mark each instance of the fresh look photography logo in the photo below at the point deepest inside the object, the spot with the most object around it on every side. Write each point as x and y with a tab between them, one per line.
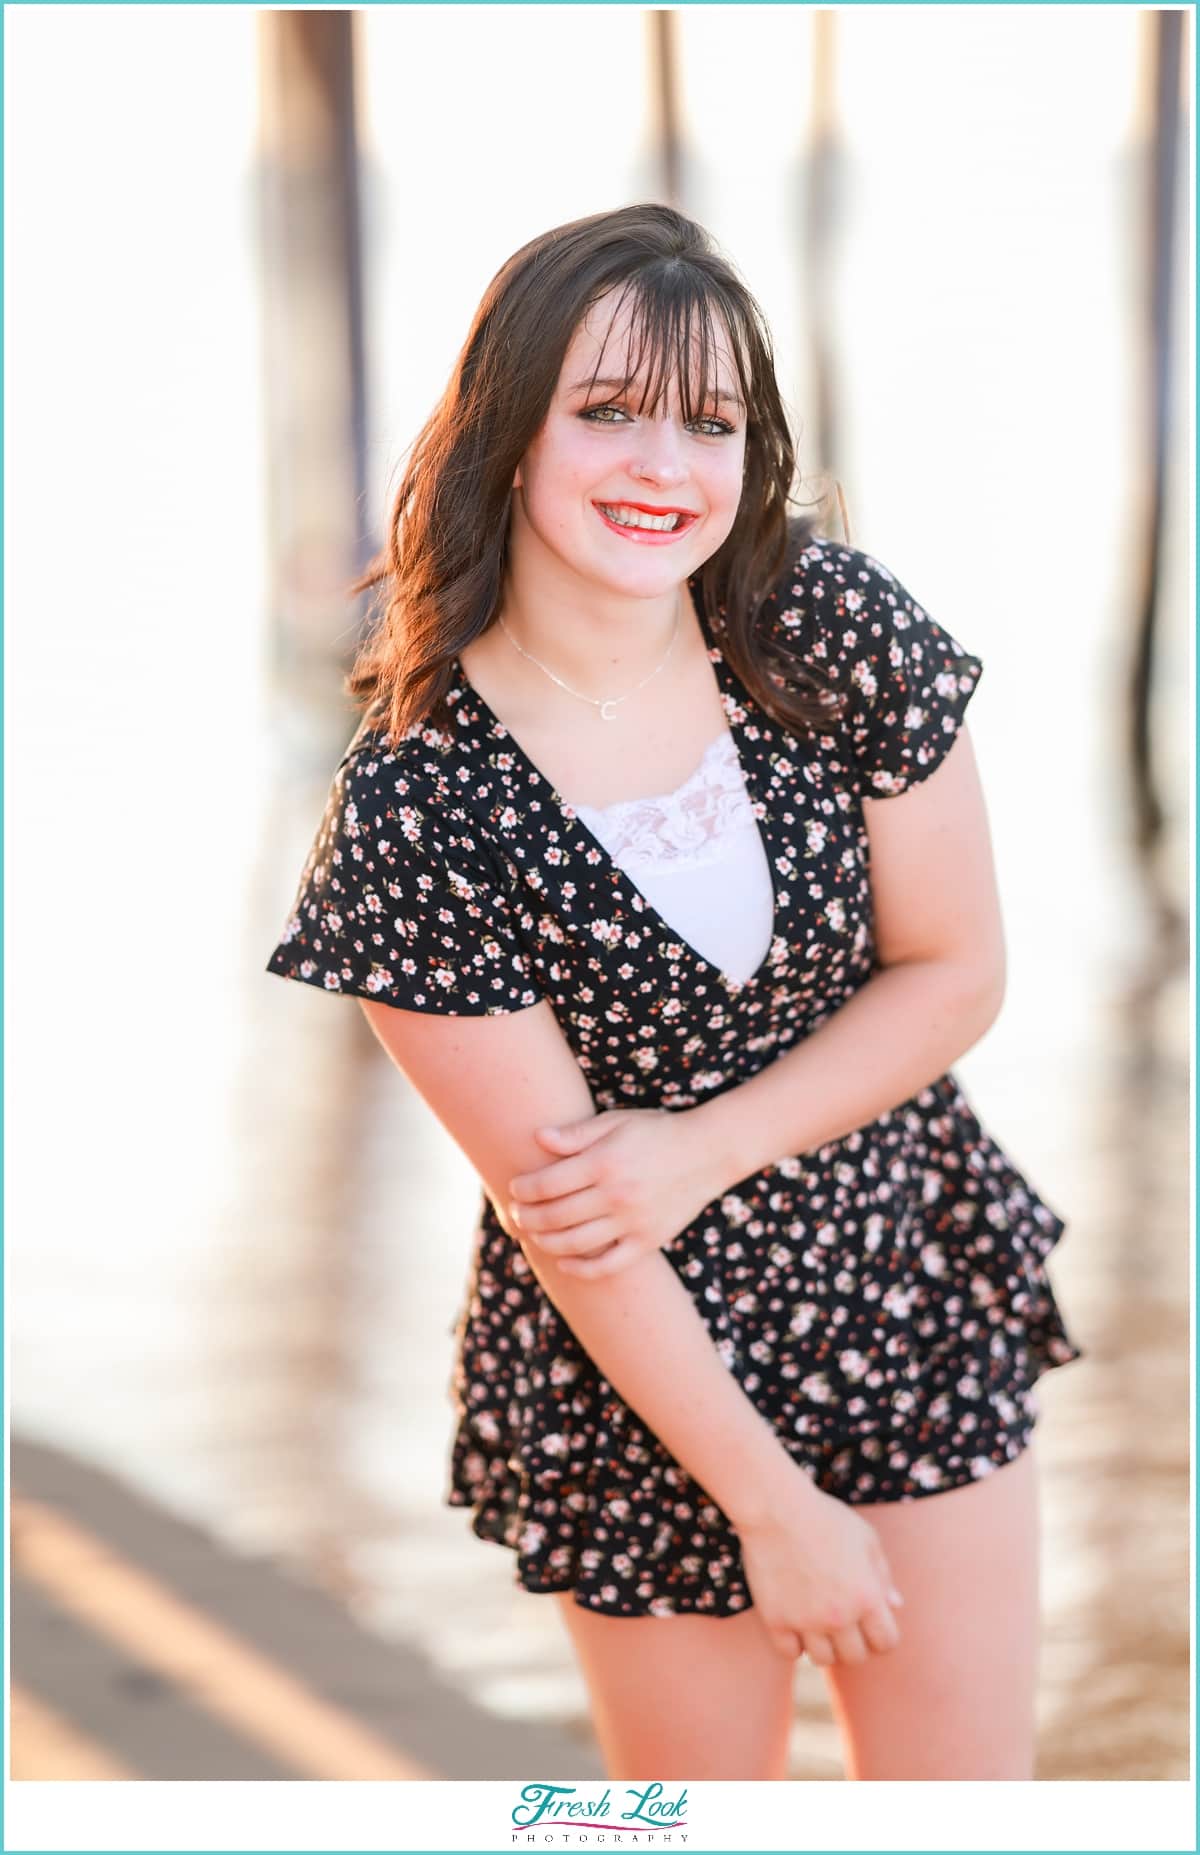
556	1813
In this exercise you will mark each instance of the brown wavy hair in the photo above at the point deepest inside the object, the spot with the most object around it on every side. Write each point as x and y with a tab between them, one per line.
439	575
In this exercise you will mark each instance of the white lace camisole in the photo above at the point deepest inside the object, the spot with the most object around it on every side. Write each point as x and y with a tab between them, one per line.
698	858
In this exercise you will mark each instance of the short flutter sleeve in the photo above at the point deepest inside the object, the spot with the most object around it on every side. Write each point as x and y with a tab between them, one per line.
400	900
908	682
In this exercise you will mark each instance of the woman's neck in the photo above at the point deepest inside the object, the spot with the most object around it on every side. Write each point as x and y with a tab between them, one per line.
600	647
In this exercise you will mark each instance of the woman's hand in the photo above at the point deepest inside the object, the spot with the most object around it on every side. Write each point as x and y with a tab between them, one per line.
627	1181
819	1577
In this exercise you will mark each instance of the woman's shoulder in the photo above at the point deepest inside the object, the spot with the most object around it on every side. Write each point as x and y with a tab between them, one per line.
418	782
429	754
828	589
906	679
845	610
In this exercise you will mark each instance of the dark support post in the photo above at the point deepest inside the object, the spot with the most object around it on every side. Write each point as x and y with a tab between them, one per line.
1166	33
820	218
313	358
664	64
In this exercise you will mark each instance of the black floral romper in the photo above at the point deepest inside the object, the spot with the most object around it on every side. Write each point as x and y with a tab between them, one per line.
883	1299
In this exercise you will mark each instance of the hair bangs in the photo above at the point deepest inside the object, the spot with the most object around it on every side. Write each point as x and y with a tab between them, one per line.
680	331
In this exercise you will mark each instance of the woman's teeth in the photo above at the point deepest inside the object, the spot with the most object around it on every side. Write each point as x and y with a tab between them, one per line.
637	518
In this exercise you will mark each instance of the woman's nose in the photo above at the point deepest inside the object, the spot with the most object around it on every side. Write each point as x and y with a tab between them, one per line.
658	457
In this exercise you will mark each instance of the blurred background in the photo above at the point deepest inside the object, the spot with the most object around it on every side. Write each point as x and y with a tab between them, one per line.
244	248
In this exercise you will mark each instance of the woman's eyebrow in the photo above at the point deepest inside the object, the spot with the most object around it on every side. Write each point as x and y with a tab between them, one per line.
615	385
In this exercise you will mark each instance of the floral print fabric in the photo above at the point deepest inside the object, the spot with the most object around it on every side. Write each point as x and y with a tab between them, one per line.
883	1299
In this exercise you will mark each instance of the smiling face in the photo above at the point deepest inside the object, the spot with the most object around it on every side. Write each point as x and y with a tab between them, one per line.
628	495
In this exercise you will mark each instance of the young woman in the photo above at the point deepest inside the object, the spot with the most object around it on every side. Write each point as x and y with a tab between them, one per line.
660	865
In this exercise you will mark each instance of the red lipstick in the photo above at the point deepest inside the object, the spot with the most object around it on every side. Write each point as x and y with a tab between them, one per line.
648	537
650	508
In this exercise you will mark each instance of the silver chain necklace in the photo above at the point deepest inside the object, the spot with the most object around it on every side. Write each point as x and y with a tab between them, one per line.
610	704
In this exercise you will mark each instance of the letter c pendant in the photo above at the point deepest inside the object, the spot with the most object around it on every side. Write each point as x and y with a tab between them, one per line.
608	710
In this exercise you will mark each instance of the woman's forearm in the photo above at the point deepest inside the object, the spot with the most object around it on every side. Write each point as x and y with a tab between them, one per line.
645	1333
898	1033
641	1326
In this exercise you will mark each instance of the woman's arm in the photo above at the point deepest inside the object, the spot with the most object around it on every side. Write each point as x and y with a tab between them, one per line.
940	940
491	1081
640	1178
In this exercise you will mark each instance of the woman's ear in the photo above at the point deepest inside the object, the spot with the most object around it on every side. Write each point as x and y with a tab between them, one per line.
516	482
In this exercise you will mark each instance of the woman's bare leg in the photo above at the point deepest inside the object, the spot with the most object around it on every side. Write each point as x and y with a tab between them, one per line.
956	1698
684	1697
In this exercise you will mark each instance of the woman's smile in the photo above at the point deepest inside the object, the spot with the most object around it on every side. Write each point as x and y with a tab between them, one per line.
646	523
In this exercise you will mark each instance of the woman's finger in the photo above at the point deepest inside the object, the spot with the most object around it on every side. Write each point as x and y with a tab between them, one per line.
554	1180
562	1215
883	1572
819	1648
619	1256
848	1644
581	1239
880	1629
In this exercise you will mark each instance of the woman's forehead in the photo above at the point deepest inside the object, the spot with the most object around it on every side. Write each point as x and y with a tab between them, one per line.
618	338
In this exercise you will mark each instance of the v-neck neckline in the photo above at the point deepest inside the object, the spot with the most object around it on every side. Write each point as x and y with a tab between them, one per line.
734	699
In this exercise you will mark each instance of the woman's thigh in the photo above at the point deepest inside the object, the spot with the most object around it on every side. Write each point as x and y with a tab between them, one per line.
684	1697
956	1697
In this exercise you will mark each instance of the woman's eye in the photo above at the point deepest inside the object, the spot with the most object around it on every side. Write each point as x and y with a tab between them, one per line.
713	427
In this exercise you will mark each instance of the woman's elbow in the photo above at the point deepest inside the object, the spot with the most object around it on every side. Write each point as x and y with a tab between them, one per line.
984	985
995	999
